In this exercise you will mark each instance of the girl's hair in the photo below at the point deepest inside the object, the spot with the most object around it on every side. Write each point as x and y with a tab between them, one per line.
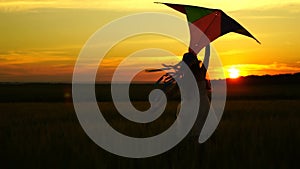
190	59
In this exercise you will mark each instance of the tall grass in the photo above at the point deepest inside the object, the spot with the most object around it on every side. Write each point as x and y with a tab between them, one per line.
252	134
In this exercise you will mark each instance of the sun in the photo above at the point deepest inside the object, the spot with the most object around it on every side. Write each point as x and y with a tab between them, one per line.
233	73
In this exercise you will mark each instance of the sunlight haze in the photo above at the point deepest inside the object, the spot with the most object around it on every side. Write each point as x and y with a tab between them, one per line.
41	40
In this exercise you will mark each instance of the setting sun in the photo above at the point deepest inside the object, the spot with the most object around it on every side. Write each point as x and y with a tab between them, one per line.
233	73
55	33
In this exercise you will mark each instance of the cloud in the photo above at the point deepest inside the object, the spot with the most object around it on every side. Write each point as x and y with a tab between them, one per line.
47	64
35	56
18	5
263	69
51	27
270	12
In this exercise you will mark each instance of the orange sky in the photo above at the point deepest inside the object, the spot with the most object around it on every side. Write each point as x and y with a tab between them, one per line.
40	40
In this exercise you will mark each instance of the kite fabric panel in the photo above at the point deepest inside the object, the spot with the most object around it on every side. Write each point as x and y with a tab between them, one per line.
206	25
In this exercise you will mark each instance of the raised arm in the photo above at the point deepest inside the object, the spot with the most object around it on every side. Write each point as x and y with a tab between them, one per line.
206	56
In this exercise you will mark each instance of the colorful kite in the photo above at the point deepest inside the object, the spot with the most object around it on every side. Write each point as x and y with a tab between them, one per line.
206	25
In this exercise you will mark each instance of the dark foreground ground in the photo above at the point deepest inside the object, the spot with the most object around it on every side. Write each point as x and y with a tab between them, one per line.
260	128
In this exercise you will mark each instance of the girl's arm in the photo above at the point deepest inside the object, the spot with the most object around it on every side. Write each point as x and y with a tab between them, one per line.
206	56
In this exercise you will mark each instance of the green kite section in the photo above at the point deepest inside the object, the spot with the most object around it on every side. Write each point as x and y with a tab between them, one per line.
194	13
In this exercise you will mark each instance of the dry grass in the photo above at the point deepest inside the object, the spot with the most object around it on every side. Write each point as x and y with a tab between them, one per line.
252	134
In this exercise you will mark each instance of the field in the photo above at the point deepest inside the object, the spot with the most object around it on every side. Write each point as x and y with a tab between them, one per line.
259	129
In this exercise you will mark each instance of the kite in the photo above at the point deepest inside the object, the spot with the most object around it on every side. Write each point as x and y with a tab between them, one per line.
207	24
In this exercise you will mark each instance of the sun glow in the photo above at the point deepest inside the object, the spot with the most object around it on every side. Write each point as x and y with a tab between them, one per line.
233	73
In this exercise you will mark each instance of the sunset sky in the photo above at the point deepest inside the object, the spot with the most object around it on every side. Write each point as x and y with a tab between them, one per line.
41	40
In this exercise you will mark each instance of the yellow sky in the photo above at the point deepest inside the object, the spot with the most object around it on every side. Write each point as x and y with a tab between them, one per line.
40	40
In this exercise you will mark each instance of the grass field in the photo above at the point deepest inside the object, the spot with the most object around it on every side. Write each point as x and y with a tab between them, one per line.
261	131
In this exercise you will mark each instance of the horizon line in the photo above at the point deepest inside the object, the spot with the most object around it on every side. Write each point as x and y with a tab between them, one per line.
136	82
